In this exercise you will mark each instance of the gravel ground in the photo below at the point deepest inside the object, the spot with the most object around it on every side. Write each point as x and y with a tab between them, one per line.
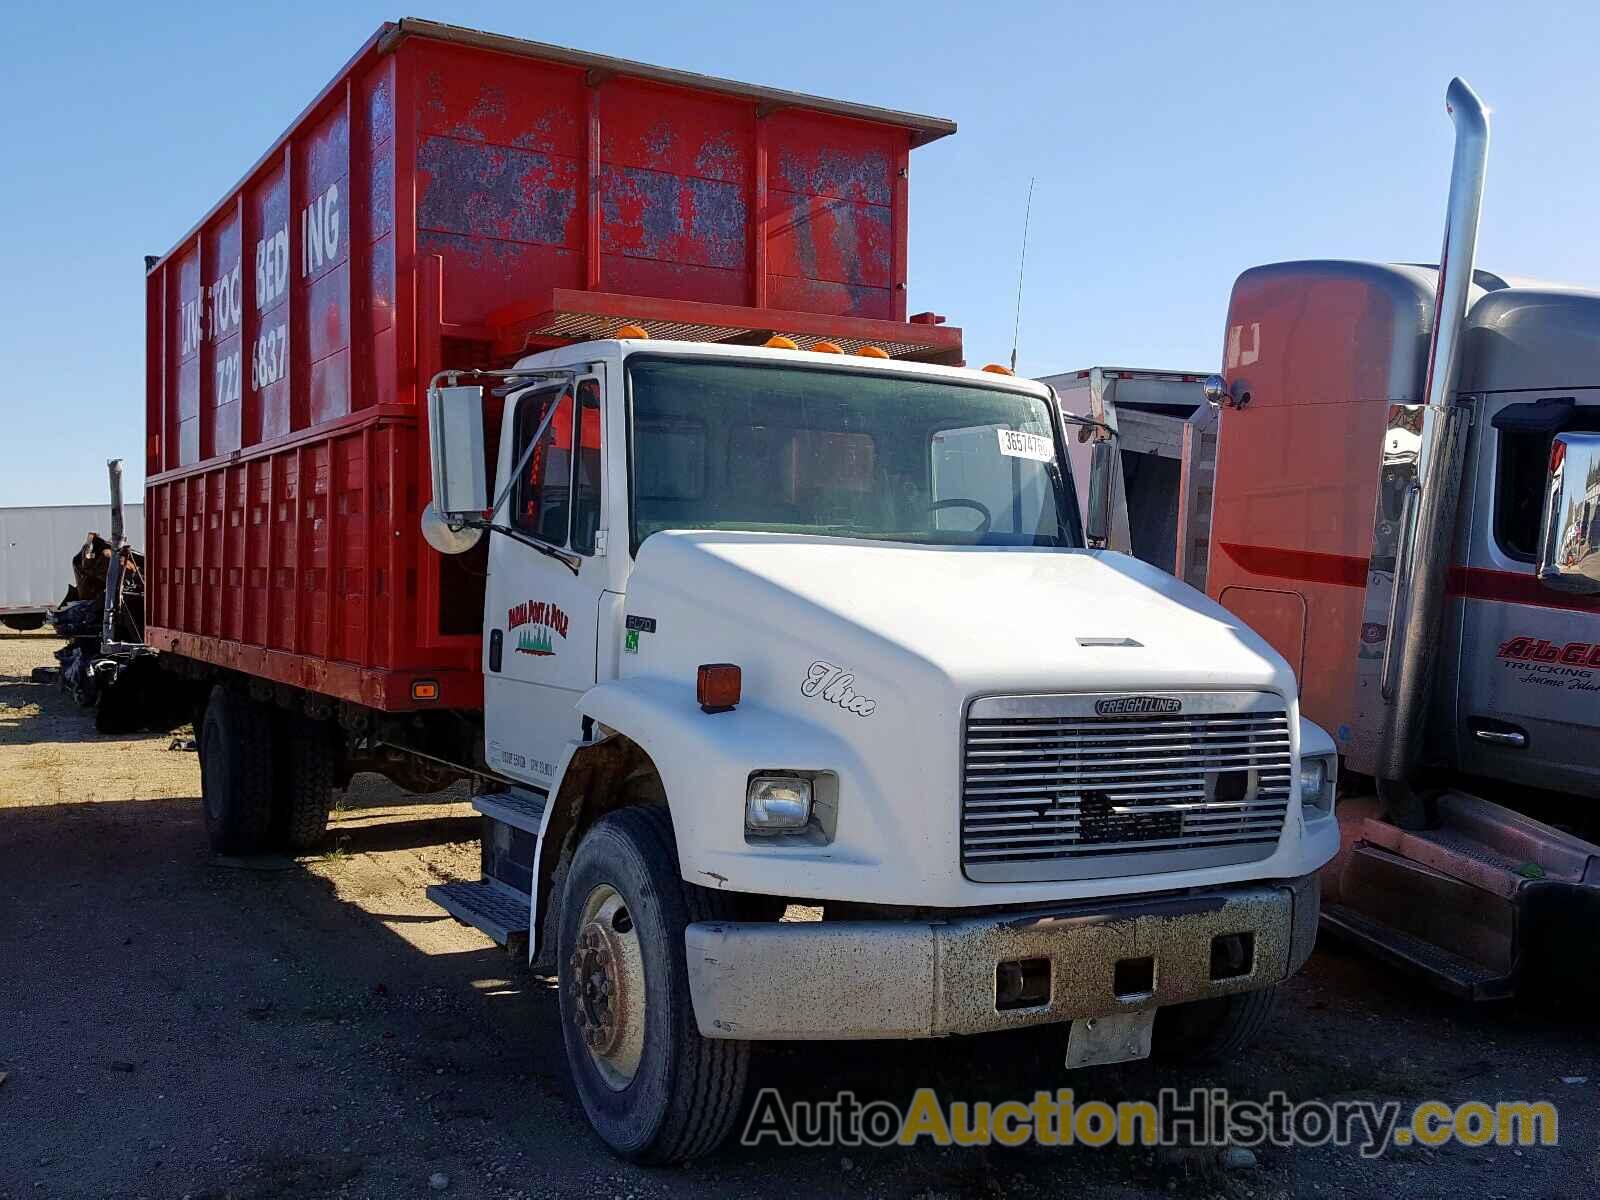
172	1026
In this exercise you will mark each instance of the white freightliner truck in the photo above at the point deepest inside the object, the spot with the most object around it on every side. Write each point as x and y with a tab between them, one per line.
762	608
852	652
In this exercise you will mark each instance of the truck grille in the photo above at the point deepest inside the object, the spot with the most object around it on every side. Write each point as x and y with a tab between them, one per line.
1053	790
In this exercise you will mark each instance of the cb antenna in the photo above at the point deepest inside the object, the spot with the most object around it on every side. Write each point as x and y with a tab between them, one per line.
1022	265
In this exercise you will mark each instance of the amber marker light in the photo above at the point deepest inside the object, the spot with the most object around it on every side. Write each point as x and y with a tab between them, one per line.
717	687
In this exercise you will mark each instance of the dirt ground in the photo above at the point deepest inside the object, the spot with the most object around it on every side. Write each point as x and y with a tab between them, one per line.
173	1026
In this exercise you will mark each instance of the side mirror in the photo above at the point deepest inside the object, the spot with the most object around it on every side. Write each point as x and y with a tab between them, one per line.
1569	527
1215	390
1097	522
460	479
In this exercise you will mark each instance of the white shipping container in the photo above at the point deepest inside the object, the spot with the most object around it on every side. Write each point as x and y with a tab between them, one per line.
37	545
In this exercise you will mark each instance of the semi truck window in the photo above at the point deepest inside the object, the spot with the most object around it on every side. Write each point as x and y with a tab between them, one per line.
758	447
1519	492
544	489
1526	432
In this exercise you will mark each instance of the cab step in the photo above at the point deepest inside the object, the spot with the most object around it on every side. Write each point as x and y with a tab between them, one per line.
499	911
1459	976
520	808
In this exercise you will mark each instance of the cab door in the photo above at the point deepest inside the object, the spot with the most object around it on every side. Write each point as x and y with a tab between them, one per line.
1527	700
547	582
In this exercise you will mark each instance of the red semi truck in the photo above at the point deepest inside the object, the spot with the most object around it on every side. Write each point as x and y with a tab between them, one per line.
556	422
1405	488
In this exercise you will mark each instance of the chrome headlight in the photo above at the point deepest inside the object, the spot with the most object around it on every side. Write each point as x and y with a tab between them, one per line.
1317	777
777	803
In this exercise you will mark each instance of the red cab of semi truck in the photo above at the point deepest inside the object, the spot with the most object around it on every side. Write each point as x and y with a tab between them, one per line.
454	199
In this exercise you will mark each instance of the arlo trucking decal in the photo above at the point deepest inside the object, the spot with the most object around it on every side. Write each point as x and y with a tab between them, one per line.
1573	666
833	684
545	622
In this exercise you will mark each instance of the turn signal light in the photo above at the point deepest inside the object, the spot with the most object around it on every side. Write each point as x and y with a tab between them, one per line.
635	332
778	342
717	687
424	689
997	369
873	352
828	348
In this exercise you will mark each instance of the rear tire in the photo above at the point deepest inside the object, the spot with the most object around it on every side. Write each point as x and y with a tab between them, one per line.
23	622
236	771
303	791
1212	1031
655	1090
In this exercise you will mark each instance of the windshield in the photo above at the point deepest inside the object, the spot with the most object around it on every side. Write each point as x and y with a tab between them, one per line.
757	447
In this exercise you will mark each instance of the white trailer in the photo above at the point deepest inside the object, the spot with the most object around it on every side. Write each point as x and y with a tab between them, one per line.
36	548
1167	449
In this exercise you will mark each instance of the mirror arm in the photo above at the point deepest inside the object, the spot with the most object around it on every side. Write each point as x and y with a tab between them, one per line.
566	558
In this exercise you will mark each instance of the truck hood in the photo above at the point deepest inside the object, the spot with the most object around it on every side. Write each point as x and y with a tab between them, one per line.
858	661
985	619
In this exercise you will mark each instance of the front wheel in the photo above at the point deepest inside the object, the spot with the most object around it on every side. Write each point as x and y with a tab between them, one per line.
653	1088
1213	1031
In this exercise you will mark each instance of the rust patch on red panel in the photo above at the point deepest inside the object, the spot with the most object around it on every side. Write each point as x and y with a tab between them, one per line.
692	221
825	171
487	191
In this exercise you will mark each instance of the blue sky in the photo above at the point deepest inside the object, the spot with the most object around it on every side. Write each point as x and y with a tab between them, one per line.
1173	146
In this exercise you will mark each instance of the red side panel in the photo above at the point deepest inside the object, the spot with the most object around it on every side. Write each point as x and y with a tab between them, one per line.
434	187
1321	350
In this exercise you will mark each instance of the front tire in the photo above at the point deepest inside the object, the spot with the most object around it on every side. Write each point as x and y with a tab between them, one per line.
653	1088
1213	1031
236	771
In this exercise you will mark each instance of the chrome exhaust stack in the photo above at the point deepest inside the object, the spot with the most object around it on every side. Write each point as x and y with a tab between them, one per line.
1437	429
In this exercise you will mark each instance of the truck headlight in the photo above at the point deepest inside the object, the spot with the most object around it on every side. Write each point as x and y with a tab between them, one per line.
777	803
1316	783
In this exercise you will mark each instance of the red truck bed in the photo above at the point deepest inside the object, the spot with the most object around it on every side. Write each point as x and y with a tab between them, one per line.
457	199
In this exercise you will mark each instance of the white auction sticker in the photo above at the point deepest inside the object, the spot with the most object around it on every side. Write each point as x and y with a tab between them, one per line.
1015	444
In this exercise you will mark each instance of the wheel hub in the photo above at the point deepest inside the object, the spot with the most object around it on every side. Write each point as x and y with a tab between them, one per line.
601	996
606	989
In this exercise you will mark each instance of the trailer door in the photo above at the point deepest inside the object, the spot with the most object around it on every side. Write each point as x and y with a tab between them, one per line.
1527	684
546	583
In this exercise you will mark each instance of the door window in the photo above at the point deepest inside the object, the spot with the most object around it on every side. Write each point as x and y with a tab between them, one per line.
1522	465
557	498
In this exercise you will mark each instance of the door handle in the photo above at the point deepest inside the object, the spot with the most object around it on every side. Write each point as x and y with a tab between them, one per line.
497	641
1513	738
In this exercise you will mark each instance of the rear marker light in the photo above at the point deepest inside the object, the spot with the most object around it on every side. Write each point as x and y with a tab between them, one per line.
424	689
717	687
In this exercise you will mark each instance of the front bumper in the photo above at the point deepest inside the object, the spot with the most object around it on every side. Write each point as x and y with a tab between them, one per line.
827	980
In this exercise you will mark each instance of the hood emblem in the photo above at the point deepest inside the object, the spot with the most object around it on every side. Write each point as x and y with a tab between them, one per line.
828	682
1137	705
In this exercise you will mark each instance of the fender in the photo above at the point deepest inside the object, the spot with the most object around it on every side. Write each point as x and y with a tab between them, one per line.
1315	741
704	761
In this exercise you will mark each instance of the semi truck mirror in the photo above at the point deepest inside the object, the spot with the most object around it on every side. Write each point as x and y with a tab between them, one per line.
1569	526
455	440
1102	460
452	521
